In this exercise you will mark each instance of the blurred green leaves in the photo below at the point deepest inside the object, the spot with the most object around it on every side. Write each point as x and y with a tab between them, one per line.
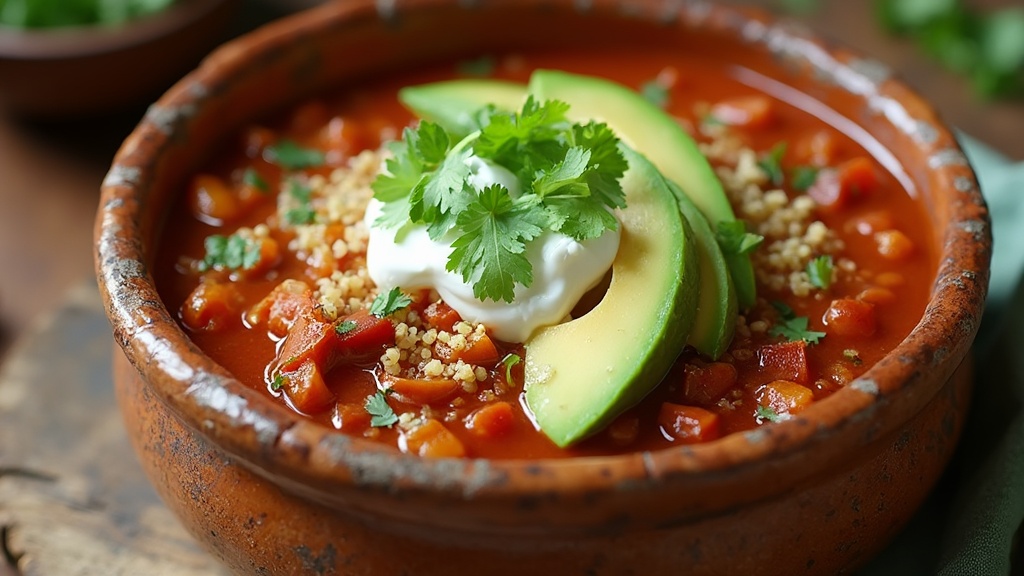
55	13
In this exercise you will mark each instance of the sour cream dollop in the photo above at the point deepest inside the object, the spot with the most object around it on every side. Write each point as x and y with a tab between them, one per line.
563	269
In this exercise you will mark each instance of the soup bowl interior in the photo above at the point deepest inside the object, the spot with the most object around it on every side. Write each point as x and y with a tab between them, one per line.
267	489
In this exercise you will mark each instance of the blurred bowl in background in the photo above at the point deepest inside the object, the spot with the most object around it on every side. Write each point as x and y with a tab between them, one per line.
89	70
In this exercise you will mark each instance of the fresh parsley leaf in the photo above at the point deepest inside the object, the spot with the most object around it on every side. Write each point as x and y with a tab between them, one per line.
793	327
820	271
252	178
289	155
482	66
771	163
710	120
733	237
852	356
300	216
380	411
803	177
279	381
302	195
508	362
345	327
490	253
232	252
656	93
768	413
387	304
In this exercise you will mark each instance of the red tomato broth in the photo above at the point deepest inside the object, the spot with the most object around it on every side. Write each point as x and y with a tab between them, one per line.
372	113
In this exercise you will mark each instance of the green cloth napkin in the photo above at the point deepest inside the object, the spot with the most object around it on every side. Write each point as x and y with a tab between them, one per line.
969	525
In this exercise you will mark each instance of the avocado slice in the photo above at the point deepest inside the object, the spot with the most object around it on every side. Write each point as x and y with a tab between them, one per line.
454	104
650	131
581	374
715	323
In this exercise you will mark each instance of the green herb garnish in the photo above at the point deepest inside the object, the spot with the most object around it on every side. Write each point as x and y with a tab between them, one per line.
793	327
733	238
656	93
303	213
381	412
568	175
279	381
803	177
820	271
387	304
482	66
290	156
508	362
300	216
768	413
345	327
771	163
232	252
252	178
853	356
57	13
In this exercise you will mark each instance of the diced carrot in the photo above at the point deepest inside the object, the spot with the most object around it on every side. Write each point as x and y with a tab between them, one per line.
212	200
432	440
784	397
308	117
421	390
894	245
359	336
849	317
282	306
479	350
836	189
441	316
351	418
784	361
624	430
876	295
256	138
746	111
688	424
343	137
872	222
890	279
817	149
493	420
306	389
211	306
704	385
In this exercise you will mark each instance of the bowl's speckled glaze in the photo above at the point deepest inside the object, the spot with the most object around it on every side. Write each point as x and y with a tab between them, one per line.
272	493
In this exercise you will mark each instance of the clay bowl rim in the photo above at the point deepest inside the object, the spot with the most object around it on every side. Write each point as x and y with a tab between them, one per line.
79	42
271	439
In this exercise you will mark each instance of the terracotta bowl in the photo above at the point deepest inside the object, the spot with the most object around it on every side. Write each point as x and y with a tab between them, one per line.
272	493
80	70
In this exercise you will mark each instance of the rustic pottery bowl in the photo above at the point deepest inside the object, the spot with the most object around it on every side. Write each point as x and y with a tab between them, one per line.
80	70
271	493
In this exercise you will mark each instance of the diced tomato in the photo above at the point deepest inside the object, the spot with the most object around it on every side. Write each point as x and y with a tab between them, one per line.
306	389
432	440
784	397
688	424
441	316
421	391
875	295
872	222
256	138
309	117
212	200
784	361
328	344
351	418
746	111
704	385
849	317
624	430
344	137
280	308
818	149
493	420
894	245
211	306
834	190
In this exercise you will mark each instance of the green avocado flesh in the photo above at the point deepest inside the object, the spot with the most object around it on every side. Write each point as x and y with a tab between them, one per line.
453	104
650	131
583	373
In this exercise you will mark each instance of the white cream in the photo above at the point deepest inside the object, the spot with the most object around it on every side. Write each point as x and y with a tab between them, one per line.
563	269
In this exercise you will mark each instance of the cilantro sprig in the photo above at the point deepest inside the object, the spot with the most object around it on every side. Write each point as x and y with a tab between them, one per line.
289	155
771	163
388	303
793	327
234	252
733	238
820	272
568	178
767	413
381	414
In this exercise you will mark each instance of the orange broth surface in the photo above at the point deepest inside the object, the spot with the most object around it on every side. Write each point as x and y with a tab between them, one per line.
348	121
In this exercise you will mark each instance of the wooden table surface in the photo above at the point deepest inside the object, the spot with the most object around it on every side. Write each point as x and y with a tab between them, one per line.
50	174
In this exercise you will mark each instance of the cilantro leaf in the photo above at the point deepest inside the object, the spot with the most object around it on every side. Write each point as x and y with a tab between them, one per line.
380	411
300	216
820	271
803	177
508	362
490	251
733	238
290	156
402	171
482	66
252	178
232	252
793	327
768	413
345	327
771	163
387	304
656	93
279	381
